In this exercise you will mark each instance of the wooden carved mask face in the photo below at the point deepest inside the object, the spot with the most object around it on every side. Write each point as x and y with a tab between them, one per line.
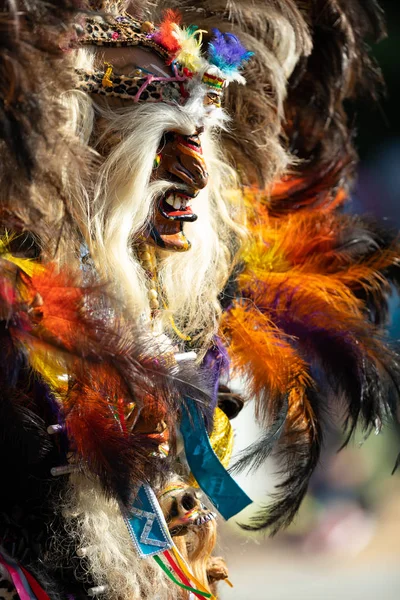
179	160
166	64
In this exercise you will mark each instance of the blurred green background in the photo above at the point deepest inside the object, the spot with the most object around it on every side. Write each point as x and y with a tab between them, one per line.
380	125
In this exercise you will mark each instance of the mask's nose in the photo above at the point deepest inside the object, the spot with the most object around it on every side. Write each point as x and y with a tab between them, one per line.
190	156
182	159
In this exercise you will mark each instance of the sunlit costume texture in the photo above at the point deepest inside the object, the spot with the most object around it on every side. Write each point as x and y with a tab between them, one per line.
173	178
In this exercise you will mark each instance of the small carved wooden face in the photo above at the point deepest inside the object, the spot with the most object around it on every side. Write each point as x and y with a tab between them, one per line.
184	510
180	161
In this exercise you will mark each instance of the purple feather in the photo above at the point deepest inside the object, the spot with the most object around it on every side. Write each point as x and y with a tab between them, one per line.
215	364
226	52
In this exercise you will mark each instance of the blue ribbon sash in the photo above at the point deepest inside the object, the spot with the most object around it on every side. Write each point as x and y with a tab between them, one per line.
223	491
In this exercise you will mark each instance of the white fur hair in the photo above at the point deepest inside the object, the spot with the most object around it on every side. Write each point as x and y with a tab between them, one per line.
97	531
116	211
197	545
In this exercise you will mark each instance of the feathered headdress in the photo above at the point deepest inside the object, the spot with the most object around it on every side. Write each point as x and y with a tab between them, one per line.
305	326
180	47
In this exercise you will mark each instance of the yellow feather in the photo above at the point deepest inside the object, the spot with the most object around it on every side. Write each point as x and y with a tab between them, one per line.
189	55
50	366
27	265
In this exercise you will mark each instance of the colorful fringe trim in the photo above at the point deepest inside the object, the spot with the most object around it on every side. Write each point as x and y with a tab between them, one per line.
26	585
175	568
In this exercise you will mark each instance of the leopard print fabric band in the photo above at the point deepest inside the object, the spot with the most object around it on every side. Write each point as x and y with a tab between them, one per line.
120	31
125	30
145	87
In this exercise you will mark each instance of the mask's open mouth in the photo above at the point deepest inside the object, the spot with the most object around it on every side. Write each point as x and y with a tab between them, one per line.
166	229
176	206
192	519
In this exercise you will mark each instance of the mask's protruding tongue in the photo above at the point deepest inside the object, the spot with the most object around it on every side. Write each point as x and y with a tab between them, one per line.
169	235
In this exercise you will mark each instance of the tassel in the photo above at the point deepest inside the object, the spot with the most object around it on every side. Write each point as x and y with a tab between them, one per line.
106	81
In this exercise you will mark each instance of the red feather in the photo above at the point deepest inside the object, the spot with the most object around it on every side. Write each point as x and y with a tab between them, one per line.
165	35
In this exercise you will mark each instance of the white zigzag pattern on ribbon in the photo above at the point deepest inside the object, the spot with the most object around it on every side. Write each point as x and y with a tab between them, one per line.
144	538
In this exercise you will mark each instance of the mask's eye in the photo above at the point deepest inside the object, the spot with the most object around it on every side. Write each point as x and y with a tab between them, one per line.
167	138
212	99
173	510
188	502
137	72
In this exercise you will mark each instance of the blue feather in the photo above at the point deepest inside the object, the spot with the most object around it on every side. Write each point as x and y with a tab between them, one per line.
226	52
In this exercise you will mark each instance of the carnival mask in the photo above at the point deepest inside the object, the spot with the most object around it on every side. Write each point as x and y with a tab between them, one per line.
174	72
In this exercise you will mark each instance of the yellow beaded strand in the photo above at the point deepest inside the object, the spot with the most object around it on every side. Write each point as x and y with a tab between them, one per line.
147	256
148	261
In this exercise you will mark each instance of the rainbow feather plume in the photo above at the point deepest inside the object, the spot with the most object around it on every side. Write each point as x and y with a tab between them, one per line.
183	43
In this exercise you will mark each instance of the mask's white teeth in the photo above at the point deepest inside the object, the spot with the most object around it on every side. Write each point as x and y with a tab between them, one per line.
177	203
170	200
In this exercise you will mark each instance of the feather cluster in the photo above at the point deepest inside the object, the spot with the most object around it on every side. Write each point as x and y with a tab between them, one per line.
306	334
96	366
228	55
165	34
182	43
189	53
